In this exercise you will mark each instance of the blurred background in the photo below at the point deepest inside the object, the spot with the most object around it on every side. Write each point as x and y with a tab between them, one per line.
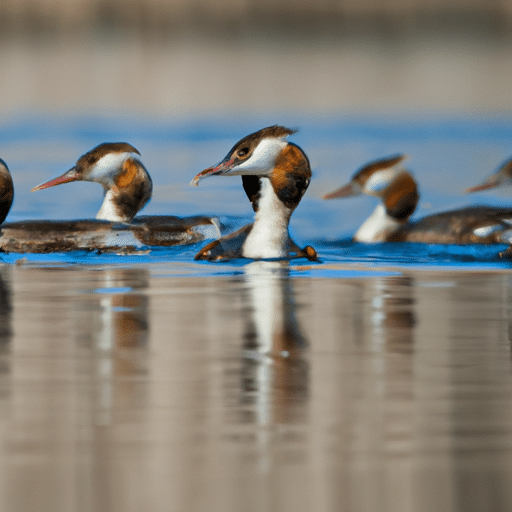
193	57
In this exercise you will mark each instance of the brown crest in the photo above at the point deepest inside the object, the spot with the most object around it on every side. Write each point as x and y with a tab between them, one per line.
382	164
91	157
244	147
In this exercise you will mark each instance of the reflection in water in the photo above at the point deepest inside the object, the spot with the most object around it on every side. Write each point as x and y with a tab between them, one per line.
5	330
116	327
392	317
5	309
274	372
374	406
117	311
398	401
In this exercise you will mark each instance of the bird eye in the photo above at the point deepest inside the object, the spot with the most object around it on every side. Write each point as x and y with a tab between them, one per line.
242	153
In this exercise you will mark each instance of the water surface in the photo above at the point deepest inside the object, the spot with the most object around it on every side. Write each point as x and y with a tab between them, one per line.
130	388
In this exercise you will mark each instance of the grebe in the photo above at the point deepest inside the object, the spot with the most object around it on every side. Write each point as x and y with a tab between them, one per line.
275	174
127	186
388	180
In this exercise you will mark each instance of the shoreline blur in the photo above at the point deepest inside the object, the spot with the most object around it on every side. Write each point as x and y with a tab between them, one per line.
176	59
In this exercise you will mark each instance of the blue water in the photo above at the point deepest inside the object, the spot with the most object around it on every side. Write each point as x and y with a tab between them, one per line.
446	154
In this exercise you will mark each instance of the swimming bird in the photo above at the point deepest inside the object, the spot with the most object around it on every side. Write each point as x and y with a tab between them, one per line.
275	175
117	167
502	177
6	190
388	180
127	188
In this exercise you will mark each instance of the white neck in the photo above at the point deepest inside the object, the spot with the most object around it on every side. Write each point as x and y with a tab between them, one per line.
269	235
377	227
108	210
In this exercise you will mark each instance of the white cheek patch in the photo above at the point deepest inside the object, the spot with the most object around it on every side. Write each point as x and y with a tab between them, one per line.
379	180
263	158
108	165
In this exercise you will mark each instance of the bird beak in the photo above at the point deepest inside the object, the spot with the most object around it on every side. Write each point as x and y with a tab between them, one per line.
222	168
347	191
492	181
71	175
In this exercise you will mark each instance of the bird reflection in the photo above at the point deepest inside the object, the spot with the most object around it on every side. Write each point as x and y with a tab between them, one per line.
117	329
5	311
392	317
274	371
5	327
118	311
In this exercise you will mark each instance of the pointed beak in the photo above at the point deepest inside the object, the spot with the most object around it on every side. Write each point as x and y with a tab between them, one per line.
486	185
346	191
223	168
71	175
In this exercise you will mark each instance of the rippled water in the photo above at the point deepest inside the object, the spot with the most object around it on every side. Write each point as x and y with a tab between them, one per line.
378	379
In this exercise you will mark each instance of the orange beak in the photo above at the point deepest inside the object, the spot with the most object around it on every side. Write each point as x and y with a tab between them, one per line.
221	168
71	175
483	186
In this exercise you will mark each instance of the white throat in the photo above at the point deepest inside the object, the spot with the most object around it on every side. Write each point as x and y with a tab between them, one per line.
377	227
269	235
108	210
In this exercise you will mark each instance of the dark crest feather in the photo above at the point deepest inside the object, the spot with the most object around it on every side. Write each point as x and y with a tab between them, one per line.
251	141
91	157
377	165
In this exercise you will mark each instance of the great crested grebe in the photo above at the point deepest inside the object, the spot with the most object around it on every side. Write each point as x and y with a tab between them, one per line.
127	188
275	174
388	180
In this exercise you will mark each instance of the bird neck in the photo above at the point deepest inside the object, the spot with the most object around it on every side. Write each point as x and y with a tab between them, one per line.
269	235
398	203
127	194
400	199
377	227
274	198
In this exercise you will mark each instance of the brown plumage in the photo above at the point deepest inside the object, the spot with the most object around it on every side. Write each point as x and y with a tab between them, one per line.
457	227
45	236
128	188
6	190
116	166
387	180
